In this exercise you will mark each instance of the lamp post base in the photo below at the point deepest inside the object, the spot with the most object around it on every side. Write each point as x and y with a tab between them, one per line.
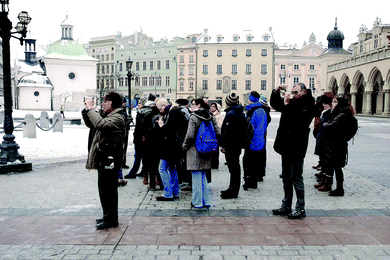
10	159
18	167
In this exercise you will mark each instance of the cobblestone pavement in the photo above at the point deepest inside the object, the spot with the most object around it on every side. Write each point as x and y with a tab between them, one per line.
49	213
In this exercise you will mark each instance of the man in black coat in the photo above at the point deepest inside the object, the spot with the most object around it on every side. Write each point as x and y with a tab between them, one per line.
291	142
233	133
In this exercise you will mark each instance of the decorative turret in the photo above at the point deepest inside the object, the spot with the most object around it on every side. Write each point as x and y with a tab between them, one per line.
30	51
67	29
335	38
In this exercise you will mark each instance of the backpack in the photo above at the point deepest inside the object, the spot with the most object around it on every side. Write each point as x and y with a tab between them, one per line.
249	133
206	140
351	128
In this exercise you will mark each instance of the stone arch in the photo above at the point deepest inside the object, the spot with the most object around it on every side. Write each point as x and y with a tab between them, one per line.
358	89
345	86
334	88
375	83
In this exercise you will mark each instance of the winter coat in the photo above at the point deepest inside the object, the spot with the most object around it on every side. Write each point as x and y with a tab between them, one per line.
219	115
334	146
325	116
150	131
108	138
138	124
195	160
258	117
173	133
292	135
233	131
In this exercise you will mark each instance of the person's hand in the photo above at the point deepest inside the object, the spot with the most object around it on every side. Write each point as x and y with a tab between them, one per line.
280	88
160	122
287	97
89	104
223	150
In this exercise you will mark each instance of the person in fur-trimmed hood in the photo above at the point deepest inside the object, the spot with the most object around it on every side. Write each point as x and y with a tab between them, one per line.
198	163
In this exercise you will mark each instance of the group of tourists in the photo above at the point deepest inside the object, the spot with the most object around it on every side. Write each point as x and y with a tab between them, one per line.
178	144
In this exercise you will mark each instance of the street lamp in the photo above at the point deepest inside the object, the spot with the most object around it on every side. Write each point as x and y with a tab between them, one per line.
130	77
10	159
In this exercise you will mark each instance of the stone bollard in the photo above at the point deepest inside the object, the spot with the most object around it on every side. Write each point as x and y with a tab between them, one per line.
44	120
59	126
29	130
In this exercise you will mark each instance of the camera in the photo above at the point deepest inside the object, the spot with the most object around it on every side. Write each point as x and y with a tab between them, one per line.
86	97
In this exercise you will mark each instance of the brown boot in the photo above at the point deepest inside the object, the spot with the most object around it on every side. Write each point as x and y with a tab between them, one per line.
327	185
321	183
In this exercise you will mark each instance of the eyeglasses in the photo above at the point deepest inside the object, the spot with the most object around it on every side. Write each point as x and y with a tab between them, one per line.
193	104
294	92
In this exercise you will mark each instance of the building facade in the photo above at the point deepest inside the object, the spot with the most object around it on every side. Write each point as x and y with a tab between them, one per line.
236	63
293	65
365	77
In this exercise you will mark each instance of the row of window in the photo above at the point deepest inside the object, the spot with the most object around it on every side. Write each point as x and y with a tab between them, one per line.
296	66
282	81
151	65
248	53
248	69
104	57
234	84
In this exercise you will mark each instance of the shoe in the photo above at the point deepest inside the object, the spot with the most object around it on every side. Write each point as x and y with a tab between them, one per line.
336	193
105	225
297	214
247	187
151	188
130	176
145	181
281	211
188	188
226	191
162	198
122	182
319	175
124	166
99	220
229	196
260	179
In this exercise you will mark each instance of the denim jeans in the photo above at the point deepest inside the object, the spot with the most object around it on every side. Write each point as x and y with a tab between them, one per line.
169	178
201	195
292	169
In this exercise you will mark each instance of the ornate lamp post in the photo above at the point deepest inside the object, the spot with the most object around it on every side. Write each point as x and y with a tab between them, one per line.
130	77
10	159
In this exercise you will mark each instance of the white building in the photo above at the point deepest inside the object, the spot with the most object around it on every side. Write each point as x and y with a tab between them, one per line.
70	69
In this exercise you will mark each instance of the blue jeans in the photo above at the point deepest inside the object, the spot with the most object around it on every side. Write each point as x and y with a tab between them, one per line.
169	178
201	195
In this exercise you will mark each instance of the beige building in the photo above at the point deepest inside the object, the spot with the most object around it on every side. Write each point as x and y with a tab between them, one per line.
236	63
293	65
365	77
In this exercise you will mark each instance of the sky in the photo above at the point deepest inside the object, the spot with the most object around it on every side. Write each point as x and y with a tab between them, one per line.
292	22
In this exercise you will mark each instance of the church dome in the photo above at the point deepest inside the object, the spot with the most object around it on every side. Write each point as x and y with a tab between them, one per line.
335	35
35	80
66	48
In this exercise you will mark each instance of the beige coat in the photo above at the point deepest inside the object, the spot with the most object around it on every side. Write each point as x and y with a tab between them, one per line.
196	161
109	129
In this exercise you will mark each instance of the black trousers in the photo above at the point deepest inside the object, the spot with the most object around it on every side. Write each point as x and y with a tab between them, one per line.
233	162
292	169
254	166
108	193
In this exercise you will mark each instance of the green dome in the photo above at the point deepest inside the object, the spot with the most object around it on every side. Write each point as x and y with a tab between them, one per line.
66	48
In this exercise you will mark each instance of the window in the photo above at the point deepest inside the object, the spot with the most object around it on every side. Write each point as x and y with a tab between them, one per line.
191	58
234	69
263	85
151	81
181	85
234	53
236	38
264	52
137	66
112	69
167	81
120	82
248	69
296	67
112	57
151	65
249	38
120	66
181	59
248	52
137	81
102	58
248	84
169	90
71	75
191	86
282	66
312	67
144	81
219	38
263	69
107	57
103	72
266	38
159	64
206	39
108	69
144	65
98	69
205	69
376	41
158	81
219	69
191	70
205	53
219	53
219	84
234	84
205	84
181	71
312	84
296	80
282	80
167	64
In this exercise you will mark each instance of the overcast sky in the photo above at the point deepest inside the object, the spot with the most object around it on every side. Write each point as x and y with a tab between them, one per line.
291	21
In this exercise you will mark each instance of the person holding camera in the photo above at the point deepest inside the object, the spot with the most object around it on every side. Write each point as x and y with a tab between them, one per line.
297	111
106	153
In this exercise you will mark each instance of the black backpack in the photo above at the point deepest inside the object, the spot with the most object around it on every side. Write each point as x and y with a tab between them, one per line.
249	133
351	127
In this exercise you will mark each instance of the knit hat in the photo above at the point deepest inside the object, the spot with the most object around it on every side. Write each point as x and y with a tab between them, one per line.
143	100
232	99
263	100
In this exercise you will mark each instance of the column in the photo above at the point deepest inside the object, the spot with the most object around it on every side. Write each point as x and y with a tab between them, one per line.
368	104
353	100
386	111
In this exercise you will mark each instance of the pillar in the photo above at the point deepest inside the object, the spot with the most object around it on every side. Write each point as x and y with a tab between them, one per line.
386	111
353	100
368	104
